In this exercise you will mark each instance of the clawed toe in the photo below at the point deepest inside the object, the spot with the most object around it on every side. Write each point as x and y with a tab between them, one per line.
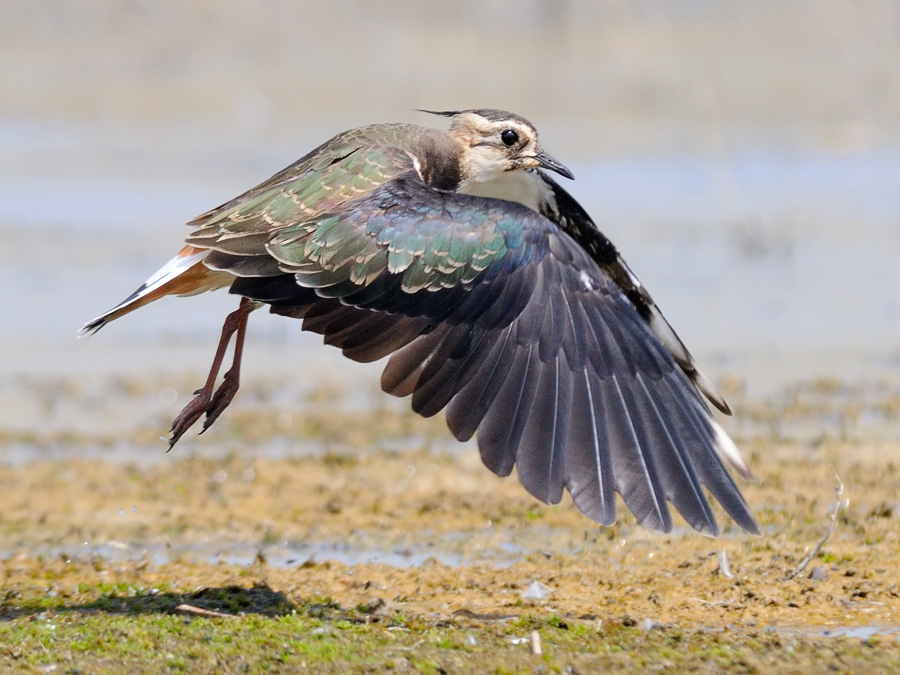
221	399
190	414
202	403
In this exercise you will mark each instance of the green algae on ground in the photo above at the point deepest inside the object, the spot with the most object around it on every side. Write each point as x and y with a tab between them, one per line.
141	630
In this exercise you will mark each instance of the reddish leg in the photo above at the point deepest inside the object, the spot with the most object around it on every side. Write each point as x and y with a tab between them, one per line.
204	400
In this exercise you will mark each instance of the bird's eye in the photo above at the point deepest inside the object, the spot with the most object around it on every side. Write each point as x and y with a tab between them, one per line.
509	137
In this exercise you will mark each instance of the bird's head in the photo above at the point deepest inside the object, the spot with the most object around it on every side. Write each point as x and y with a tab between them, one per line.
495	142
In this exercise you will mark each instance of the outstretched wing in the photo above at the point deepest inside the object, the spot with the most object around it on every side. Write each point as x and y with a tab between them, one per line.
495	314
575	221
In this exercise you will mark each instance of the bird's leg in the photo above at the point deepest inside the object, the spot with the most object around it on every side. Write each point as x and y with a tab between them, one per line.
204	400
231	380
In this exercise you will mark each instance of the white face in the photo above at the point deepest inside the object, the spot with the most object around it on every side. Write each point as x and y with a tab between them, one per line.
495	147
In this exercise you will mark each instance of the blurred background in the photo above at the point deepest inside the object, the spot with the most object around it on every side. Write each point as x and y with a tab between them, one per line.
744	156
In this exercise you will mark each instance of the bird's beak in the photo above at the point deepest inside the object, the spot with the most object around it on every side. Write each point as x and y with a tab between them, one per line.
545	161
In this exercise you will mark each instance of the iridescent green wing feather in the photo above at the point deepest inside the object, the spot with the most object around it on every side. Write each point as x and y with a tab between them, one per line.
331	178
427	238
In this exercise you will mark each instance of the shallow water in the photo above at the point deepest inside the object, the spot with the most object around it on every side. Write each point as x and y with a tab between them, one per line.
239	553
855	632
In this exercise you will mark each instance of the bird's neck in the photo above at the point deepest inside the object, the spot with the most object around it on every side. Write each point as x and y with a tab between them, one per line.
525	187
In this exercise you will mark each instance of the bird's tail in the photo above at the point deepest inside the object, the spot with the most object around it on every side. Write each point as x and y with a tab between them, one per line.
185	274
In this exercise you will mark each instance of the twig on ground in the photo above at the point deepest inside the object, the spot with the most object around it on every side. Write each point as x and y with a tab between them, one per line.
199	611
836	508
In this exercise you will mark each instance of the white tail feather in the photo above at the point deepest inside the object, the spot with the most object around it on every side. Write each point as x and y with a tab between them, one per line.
167	281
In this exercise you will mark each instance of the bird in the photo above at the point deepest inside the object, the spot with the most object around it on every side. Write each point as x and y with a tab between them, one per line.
497	299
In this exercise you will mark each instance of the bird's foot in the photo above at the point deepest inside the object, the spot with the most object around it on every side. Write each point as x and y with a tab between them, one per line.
202	403
189	414
222	398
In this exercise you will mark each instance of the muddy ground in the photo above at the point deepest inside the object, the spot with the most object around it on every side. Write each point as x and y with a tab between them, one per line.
373	532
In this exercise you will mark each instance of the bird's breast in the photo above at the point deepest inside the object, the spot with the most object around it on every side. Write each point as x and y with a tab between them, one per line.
525	187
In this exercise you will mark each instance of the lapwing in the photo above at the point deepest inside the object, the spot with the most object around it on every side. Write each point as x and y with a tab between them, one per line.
497	299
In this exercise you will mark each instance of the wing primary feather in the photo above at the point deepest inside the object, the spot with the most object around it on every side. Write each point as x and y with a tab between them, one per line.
679	477
575	341
529	322
635	475
377	339
541	456
473	400
554	324
335	320
404	368
709	467
500	432
438	381
482	299
461	382
670	340
588	464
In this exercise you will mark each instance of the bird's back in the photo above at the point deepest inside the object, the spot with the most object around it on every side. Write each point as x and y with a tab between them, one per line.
343	169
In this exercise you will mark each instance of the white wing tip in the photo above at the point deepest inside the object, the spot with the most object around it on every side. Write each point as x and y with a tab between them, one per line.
729	452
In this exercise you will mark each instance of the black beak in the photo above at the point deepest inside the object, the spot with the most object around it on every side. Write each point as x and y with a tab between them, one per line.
547	162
